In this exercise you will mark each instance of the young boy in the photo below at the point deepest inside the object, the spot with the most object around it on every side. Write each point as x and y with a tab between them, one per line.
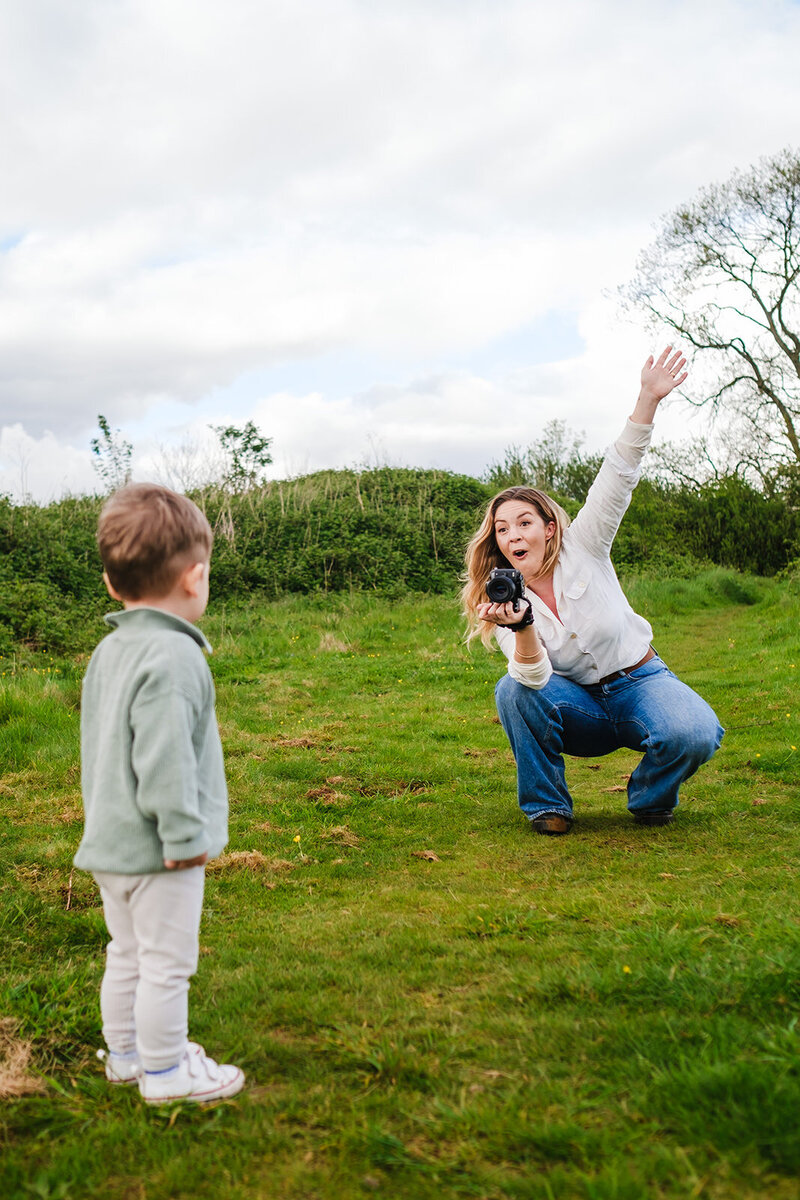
154	793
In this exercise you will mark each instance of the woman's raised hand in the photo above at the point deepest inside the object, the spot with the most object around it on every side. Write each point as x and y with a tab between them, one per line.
659	377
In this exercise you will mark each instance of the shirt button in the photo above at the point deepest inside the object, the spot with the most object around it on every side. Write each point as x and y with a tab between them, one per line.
573	635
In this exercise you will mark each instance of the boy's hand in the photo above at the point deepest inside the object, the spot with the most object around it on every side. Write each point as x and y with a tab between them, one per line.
182	864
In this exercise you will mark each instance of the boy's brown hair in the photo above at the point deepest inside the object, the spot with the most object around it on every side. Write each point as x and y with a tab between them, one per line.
147	535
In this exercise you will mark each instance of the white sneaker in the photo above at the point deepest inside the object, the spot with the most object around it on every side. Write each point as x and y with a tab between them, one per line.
196	1077
120	1068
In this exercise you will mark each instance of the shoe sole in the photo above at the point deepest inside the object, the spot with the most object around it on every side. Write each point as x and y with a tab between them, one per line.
113	1076
231	1089
552	826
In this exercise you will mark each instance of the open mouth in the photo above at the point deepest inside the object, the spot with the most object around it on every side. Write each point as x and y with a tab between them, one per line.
520	553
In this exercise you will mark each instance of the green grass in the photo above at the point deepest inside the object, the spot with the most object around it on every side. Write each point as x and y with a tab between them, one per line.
427	999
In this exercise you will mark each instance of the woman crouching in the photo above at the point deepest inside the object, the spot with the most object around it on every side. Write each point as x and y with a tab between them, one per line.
583	678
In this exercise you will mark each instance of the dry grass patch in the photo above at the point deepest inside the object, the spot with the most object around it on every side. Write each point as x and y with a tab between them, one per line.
728	920
416	787
248	860
34	796
326	796
71	888
341	835
15	1054
36	809
298	743
330	643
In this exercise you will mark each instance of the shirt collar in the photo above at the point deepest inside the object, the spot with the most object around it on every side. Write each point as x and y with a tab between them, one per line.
140	619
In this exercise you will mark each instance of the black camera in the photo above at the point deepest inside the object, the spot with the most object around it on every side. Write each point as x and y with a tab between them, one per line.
504	584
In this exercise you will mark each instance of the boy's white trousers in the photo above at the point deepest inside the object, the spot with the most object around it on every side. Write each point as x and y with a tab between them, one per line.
154	922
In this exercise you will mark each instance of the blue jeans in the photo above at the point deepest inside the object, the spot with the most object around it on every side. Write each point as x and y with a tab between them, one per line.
648	710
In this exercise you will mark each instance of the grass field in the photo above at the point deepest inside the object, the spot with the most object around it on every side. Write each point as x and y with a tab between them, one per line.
427	999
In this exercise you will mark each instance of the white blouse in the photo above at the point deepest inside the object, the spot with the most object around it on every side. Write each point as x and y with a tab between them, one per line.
598	631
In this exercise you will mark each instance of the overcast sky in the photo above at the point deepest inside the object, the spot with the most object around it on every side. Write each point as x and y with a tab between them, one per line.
384	230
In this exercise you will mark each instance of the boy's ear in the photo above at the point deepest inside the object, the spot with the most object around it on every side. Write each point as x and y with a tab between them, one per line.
112	591
192	577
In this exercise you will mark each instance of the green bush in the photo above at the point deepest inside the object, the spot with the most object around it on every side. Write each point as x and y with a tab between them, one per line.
389	531
731	523
53	544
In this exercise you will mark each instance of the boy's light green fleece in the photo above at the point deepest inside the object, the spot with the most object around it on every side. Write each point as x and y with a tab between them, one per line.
151	760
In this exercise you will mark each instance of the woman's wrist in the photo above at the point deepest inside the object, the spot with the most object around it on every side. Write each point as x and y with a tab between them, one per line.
645	410
527	647
527	619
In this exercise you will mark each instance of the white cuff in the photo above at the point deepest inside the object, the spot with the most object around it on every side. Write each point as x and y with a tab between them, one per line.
533	675
633	441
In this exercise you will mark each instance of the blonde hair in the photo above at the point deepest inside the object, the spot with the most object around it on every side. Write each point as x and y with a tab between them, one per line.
147	535
483	553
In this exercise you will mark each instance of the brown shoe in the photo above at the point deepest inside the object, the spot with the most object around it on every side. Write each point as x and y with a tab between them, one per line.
652	820
552	824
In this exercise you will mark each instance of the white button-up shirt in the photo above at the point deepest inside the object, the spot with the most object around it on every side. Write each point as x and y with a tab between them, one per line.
598	631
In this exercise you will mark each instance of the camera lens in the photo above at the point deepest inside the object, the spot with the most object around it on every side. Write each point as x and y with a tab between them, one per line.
500	589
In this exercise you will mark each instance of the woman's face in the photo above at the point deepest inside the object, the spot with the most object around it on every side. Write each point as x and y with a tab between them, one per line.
522	536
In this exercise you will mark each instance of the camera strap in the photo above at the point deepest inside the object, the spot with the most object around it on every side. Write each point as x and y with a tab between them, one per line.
526	620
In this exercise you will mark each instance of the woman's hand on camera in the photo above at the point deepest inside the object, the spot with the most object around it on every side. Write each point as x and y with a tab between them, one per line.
501	614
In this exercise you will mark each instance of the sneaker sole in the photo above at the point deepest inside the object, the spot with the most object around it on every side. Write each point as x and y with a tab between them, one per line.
231	1089
113	1076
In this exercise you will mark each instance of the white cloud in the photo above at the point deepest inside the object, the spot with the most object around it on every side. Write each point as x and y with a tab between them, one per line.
43	468
198	191
463	422
183	329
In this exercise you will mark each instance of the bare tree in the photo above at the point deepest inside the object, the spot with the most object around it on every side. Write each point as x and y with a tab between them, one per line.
723	274
112	456
195	462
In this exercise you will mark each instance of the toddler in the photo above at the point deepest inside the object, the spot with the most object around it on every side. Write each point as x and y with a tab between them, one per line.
154	793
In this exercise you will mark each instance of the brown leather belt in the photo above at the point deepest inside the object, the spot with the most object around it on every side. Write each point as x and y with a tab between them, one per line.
627	670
